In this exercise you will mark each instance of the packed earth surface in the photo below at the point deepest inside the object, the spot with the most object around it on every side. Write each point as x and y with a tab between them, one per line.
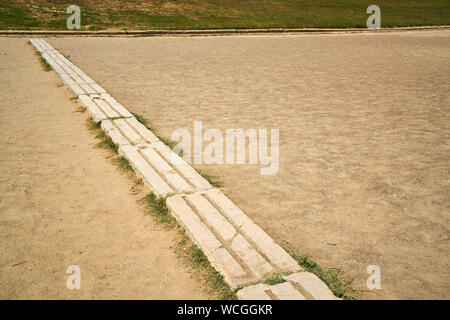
62	203
363	121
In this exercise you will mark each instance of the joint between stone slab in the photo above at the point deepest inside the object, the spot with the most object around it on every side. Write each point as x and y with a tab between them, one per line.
134	129
224	243
116	118
163	177
141	147
194	191
271	294
182	175
308	286
138	171
238	231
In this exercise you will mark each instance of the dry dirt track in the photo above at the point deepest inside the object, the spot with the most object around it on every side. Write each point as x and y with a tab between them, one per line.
364	128
63	203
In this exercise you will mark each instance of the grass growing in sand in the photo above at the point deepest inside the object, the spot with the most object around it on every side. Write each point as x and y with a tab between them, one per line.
106	142
192	255
339	284
159	210
146	123
213	180
274	278
44	63
123	164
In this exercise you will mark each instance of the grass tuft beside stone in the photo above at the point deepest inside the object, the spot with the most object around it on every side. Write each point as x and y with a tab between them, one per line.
146	123
123	164
197	260
188	251
45	65
213	180
334	278
274	278
44	62
106	142
159	210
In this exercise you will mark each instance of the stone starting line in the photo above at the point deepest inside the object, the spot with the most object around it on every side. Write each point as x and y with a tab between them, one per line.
211	32
234	245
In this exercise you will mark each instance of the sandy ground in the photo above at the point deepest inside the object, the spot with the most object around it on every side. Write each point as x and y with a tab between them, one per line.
63	203
364	130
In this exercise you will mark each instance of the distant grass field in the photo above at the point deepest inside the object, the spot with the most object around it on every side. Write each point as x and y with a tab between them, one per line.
216	14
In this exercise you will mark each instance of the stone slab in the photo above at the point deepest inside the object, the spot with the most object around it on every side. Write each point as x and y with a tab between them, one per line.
166	171
219	257
63	58
75	77
75	89
159	172
189	174
285	291
144	170
98	89
55	58
87	88
43	45
298	286
256	292
99	108
311	285
244	251
129	131
255	261
79	72
37	45
277	256
66	79
96	113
